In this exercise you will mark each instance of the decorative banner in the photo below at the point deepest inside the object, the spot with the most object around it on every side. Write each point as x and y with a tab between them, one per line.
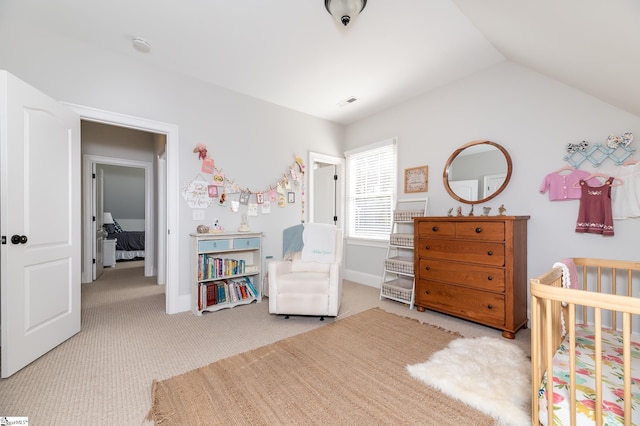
207	165
218	178
200	193
196	193
244	197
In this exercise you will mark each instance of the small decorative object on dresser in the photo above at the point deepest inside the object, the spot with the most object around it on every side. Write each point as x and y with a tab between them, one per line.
473	268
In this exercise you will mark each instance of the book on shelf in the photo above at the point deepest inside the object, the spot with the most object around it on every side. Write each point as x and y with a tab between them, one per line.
225	291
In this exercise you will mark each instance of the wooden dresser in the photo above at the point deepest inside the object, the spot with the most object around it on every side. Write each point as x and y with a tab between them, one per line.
473	268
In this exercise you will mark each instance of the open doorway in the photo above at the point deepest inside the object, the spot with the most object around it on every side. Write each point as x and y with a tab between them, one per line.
168	199
326	189
122	190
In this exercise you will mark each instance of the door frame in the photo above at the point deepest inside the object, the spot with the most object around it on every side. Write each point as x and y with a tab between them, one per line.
174	302
88	197
314	158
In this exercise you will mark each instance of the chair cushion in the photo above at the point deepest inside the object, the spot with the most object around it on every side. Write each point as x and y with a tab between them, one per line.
303	282
297	265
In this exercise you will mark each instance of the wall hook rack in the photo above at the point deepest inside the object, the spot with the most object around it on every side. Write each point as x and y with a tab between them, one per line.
598	154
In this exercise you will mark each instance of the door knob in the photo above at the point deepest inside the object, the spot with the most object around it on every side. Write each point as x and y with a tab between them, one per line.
18	239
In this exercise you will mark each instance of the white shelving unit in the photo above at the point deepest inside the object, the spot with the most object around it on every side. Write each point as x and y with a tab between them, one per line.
221	266
398	279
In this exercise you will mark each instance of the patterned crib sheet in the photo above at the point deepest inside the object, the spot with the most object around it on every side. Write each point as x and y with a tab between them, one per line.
612	380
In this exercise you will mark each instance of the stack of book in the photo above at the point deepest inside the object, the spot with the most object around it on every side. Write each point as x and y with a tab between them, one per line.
226	291
211	267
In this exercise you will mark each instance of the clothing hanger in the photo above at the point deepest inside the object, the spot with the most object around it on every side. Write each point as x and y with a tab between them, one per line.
562	169
630	162
615	182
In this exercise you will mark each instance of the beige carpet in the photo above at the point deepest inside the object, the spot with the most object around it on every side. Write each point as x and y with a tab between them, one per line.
352	371
102	375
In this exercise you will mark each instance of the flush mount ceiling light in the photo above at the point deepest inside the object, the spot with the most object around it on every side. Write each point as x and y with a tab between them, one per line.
141	45
344	10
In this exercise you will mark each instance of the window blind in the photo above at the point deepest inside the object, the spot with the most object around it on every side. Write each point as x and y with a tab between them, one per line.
371	183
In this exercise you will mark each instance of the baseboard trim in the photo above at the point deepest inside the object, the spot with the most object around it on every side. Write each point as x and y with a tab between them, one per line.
362	278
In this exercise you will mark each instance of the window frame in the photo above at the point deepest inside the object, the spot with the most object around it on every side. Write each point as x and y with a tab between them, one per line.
387	191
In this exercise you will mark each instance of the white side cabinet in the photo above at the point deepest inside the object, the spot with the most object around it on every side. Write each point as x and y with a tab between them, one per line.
109	252
225	270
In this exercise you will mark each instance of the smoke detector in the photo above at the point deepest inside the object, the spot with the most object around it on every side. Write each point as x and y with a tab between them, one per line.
141	45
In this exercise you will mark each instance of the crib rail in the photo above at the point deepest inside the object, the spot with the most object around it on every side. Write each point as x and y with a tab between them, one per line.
604	300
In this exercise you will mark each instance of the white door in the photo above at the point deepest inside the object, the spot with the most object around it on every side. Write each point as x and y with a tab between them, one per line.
467	189
492	183
39	223
98	220
324	193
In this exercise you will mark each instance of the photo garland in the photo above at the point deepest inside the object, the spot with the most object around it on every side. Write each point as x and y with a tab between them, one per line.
202	193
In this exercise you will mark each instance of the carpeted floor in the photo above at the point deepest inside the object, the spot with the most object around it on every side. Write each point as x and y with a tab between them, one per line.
351	372
103	375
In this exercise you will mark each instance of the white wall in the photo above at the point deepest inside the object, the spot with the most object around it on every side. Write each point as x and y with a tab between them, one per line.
254	142
534	118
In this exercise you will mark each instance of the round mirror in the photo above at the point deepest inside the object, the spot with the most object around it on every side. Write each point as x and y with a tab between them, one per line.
477	172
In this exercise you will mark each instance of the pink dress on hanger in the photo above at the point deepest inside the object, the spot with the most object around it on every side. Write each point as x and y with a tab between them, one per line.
595	216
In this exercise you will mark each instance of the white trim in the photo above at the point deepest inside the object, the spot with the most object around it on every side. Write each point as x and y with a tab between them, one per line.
174	301
362	278
340	188
371	146
149	227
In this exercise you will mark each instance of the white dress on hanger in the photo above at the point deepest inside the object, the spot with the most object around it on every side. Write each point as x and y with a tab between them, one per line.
625	198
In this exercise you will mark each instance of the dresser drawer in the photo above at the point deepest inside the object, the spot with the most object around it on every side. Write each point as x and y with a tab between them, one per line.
427	228
485	231
484	307
212	245
242	243
490	254
470	275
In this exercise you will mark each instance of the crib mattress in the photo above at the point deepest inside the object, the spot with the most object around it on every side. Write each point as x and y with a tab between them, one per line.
612	380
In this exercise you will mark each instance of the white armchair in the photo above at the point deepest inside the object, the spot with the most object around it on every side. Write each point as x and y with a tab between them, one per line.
308	287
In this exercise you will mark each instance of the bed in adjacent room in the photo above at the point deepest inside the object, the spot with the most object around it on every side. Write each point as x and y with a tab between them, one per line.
129	245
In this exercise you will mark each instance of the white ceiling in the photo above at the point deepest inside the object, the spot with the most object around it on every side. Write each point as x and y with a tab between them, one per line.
293	53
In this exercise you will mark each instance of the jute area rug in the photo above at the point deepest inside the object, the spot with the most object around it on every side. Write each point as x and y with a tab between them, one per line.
352	371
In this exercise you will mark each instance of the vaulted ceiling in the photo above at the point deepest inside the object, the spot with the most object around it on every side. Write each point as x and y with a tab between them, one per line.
293	53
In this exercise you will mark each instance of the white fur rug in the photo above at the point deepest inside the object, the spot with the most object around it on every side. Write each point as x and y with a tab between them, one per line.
486	373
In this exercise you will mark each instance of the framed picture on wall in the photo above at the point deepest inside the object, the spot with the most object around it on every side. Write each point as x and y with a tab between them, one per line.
416	179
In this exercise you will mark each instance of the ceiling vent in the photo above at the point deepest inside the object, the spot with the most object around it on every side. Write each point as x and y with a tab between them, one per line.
347	101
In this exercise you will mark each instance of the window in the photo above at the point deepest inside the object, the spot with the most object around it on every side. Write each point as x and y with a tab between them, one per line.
371	186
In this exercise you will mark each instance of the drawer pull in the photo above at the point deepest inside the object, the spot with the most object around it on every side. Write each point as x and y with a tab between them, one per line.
478	230
427	292
428	268
434	229
490	278
490	253
427	247
490	306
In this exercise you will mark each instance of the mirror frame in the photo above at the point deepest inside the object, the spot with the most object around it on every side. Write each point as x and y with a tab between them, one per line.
445	175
